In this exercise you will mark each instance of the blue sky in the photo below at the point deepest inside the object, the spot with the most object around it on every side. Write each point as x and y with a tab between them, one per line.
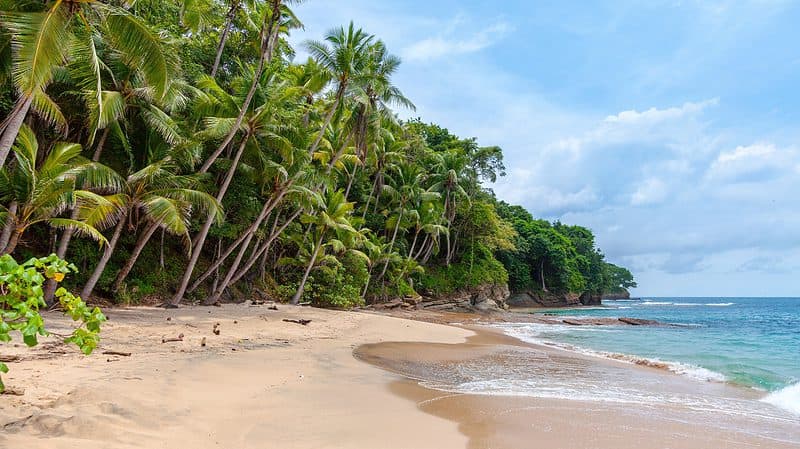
671	128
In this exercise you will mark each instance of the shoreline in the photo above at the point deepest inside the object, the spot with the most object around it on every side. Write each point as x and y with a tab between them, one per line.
265	383
509	421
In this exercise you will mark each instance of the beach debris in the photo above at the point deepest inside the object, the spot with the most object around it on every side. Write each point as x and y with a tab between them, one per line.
272	307
112	359
169	318
302	304
301	321
257	302
215	330
203	342
235	322
13	392
170	340
10	358
119	353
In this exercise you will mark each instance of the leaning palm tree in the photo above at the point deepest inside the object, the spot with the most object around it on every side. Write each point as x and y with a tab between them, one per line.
343	53
44	187
333	217
65	31
164	199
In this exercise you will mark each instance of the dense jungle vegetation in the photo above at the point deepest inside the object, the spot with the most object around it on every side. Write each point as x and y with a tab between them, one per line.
180	150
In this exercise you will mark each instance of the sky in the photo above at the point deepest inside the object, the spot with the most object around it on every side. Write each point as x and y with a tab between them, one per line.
671	128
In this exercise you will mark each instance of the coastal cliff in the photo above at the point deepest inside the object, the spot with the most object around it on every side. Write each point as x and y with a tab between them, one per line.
546	299
483	298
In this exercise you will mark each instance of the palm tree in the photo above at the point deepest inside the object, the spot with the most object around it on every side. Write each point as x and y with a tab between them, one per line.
42	191
273	23
44	40
406	191
343	55
164	199
333	216
449	182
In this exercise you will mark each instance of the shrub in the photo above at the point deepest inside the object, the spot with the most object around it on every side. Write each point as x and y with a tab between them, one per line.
21	297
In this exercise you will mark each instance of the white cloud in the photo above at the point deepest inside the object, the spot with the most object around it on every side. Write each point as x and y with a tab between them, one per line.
652	191
757	162
439	46
654	115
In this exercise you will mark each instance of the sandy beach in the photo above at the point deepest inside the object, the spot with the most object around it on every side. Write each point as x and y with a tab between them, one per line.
266	383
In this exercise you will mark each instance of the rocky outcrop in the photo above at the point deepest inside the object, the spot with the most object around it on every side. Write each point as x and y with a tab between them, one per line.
484	298
588	299
543	299
625	294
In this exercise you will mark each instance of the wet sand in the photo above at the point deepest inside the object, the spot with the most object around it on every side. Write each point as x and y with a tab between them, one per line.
517	421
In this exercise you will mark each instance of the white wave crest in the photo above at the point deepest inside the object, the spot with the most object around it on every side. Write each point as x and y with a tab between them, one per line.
787	398
657	303
720	304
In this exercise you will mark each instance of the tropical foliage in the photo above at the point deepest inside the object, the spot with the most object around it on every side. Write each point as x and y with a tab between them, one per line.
176	149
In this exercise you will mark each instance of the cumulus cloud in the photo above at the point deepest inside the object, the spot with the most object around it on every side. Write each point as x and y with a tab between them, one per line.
651	191
655	115
751	163
450	44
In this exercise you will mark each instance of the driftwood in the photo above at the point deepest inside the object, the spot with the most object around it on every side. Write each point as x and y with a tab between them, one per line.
170	340
10	358
120	353
13	392
303	322
203	342
215	330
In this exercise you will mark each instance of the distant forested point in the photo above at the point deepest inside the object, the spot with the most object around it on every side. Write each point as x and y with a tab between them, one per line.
178	150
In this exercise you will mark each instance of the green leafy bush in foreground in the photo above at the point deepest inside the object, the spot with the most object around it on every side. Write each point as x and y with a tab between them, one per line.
22	295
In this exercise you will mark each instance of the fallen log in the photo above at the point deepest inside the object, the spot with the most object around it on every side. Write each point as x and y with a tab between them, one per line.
170	340
303	322
120	353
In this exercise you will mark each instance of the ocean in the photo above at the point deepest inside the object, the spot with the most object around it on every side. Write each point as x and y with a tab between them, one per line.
752	343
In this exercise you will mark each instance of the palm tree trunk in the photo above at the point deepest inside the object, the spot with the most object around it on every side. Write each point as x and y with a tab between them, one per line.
299	293
421	248
366	285
201	236
369	198
413	243
327	121
216	271
350	182
246	235
12	243
9	226
391	245
13	124
263	250
541	273
268	207
101	264
100	144
269	35
224	37
137	250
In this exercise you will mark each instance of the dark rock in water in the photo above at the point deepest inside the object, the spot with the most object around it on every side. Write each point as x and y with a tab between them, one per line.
588	299
531	299
484	298
638	321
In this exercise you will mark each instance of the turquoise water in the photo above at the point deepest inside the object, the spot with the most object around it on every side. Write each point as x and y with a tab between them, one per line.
753	342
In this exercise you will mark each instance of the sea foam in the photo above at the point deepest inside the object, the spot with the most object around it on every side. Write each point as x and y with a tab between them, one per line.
787	398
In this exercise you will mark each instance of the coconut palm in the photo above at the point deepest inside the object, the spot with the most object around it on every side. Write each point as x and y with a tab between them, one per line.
46	39
343	53
332	217
42	188
161	199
